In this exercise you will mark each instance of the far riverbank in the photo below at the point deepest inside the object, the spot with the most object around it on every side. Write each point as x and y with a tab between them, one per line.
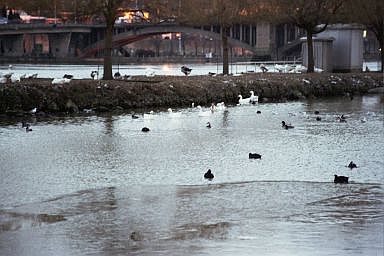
140	92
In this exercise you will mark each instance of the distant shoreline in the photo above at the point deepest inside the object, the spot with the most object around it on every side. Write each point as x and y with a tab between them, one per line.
95	96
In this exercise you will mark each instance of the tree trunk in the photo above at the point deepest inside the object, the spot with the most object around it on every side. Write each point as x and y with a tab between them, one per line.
224	42
381	42
311	62
379	33
108	52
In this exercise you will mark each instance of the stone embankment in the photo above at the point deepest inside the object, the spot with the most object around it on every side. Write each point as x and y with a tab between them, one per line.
78	96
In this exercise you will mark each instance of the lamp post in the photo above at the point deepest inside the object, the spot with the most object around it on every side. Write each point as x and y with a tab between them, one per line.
75	6
55	12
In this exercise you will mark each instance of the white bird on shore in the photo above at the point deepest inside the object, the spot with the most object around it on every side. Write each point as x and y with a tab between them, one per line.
95	74
61	81
279	68
150	72
31	76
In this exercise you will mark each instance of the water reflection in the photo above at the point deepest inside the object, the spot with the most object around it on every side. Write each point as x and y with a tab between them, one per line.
169	220
145	194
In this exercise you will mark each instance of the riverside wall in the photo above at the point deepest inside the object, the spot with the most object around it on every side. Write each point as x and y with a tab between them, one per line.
144	93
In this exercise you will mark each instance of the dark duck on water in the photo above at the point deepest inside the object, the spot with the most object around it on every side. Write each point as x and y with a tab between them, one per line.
286	126
254	156
209	175
352	165
340	179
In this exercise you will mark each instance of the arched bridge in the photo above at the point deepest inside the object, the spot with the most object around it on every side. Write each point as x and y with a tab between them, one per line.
85	40
139	33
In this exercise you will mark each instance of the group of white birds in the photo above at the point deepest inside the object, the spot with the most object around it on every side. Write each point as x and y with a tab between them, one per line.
253	99
286	68
205	112
10	77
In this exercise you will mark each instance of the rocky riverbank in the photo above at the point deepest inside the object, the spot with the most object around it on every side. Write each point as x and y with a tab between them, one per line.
79	96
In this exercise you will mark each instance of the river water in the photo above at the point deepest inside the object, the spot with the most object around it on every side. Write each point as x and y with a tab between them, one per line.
125	192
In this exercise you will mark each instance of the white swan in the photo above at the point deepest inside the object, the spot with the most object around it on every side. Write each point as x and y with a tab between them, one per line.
173	114
243	101
221	106
203	113
148	116
254	98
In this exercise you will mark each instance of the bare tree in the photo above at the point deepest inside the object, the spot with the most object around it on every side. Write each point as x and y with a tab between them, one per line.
312	16
371	14
109	10
224	13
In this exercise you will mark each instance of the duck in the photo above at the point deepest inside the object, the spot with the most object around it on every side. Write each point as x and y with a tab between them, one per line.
145	129
286	126
185	70
317	112
28	129
258	112
352	165
340	179
209	175
68	76
134	116
263	68
117	75
208	125
94	74
254	156
254	98
318	118
342	119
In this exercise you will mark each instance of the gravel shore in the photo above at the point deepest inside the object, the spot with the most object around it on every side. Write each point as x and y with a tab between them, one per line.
79	96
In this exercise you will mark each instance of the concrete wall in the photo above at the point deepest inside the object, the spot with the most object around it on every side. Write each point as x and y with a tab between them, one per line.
322	52
59	44
263	34
347	53
11	46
